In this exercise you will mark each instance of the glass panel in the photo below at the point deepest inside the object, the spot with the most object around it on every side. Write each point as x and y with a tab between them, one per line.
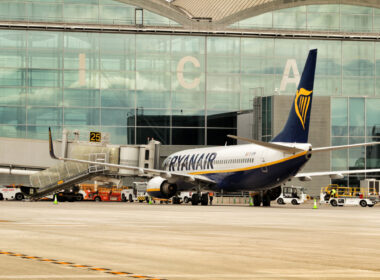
42	132
191	118
152	117
82	116
339	116
120	135
373	117
13	131
261	65
78	42
12	38
157	133
12	77
110	80
257	47
153	81
250	84
12	115
219	137
358	86
283	19
110	62
117	14
148	99
82	98
13	96
356	119
350	22
222	64
45	40
12	10
326	86
81	79
117	117
118	98
358	59
45	96
373	152
221	119
323	8
153	62
223	46
44	116
188	136
154	19
229	101
81	13
48	59
181	45
44	11
44	78
188	100
339	158
152	44
12	58
81	60
117	43
260	21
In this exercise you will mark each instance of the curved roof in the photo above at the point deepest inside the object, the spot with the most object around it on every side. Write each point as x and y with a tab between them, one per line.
225	12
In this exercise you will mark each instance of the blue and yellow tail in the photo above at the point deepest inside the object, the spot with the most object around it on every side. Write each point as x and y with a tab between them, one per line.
296	129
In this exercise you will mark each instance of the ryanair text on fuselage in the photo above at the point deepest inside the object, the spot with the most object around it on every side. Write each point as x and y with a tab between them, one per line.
192	162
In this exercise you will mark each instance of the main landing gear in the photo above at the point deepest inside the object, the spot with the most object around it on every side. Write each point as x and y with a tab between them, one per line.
265	197
197	198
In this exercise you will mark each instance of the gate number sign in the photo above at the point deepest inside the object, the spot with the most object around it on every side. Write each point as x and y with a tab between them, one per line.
95	136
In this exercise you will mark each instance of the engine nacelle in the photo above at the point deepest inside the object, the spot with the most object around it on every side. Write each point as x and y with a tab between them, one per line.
160	188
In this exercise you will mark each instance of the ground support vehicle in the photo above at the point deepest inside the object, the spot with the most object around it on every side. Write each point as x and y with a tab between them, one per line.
73	194
345	196
128	195
293	195
370	188
11	192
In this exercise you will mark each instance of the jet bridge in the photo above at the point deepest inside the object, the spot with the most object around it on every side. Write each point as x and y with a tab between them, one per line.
64	175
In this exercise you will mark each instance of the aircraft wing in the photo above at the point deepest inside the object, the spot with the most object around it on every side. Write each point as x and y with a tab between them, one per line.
333	148
333	174
144	172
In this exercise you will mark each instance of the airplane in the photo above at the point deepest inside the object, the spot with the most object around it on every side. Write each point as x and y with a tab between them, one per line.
259	167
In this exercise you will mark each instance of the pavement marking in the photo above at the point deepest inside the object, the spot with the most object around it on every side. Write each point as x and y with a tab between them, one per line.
70	264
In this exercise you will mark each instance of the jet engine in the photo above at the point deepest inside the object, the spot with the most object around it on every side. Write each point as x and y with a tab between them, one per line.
160	188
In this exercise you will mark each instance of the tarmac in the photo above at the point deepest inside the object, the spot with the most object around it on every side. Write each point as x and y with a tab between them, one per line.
115	240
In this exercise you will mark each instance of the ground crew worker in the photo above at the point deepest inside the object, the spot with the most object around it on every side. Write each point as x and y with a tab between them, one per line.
333	192
211	195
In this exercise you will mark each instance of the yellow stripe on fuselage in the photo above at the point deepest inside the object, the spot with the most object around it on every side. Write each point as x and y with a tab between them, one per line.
153	190
249	167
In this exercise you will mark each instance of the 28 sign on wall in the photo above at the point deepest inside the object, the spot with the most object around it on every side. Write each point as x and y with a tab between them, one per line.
95	137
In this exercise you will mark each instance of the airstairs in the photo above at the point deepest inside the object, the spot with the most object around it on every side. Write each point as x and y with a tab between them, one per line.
65	175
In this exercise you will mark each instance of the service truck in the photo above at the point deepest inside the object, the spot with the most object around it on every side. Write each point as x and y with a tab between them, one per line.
293	195
11	192
336	195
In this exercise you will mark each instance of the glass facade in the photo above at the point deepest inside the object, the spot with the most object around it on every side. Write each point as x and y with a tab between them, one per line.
73	11
355	120
177	89
345	18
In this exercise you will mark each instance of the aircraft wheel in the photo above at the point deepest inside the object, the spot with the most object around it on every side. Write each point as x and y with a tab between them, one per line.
280	201
19	196
334	203
295	202
130	198
266	200
257	200
363	203
204	199
195	199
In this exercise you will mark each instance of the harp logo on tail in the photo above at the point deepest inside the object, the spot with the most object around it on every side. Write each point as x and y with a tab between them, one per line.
302	103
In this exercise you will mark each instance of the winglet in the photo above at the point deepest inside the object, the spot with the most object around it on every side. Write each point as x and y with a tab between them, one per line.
51	148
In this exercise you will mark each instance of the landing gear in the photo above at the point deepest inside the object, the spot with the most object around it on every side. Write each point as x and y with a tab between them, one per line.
176	200
195	199
263	198
204	199
257	200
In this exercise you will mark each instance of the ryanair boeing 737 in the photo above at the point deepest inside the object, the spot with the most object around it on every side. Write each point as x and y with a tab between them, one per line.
259	166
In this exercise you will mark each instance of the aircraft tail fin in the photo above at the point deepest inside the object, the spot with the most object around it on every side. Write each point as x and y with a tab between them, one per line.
296	129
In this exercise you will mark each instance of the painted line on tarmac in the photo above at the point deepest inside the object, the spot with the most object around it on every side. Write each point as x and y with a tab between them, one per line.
81	266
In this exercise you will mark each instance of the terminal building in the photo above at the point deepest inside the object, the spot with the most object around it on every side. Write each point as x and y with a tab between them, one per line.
189	72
